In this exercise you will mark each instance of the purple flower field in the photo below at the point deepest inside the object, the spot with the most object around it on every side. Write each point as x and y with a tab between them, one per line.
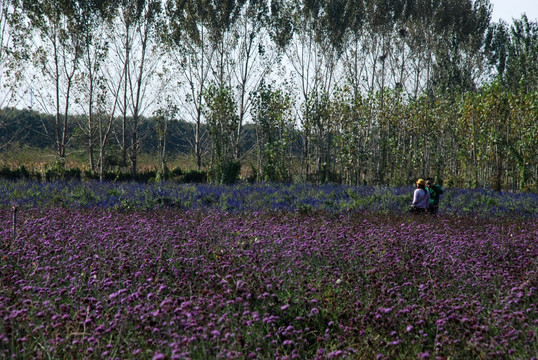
177	284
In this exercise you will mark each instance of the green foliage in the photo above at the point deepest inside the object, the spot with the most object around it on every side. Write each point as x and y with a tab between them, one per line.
19	173
163	174
421	102
281	27
271	113
222	121
194	176
58	171
514	52
493	123
226	172
177	171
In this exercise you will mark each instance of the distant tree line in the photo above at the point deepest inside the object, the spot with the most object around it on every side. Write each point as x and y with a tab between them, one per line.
31	123
350	91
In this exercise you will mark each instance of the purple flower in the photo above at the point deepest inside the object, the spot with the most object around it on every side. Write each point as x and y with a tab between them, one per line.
335	354
385	310
424	355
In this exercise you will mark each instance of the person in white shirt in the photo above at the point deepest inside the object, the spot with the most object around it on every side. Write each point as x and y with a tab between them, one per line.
421	198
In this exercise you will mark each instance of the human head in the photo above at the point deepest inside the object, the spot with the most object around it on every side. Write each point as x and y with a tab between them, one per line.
429	183
421	183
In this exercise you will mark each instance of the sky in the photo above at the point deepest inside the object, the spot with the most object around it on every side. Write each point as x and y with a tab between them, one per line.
509	9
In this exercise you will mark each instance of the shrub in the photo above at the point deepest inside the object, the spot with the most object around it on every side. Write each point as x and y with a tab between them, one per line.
58	171
163	174
194	176
176	172
22	172
146	176
232	172
228	172
6	173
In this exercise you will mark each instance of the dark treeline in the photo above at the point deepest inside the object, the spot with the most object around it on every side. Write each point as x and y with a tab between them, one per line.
34	136
350	91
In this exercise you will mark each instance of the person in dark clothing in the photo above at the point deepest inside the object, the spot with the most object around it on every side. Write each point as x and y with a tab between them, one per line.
435	191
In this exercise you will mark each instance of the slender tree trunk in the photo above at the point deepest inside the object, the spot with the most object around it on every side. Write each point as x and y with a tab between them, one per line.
125	105
57	90
90	137
90	118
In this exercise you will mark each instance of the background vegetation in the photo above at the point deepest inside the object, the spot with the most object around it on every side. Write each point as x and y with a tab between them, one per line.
254	198
348	91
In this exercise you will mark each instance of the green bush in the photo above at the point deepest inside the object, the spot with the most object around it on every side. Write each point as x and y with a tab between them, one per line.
58	171
22	172
6	173
228	172
194	176
163	174
146	176
176	172
19	173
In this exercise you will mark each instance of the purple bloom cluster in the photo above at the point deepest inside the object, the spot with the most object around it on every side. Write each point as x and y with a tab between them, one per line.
169	284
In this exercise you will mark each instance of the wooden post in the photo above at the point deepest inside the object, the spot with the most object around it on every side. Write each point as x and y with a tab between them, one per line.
15	222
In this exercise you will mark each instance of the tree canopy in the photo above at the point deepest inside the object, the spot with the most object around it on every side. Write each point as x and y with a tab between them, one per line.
383	90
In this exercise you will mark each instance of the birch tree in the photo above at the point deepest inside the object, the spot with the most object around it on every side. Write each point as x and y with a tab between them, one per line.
57	55
13	57
139	63
252	60
91	79
191	51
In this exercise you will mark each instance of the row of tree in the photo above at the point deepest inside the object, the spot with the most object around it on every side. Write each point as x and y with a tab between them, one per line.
373	91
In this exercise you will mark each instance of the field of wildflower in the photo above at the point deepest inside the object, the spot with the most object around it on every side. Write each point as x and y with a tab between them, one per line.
162	271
